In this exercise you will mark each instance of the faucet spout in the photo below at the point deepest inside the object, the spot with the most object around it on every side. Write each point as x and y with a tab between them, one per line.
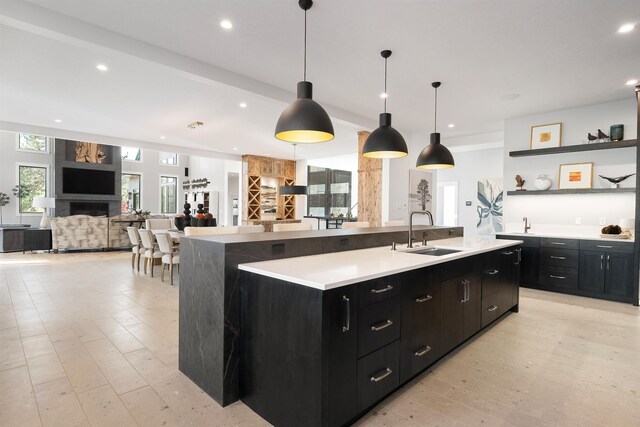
527	226
427	213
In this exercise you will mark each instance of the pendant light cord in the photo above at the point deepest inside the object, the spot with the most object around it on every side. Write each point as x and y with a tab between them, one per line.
305	46
385	85
435	114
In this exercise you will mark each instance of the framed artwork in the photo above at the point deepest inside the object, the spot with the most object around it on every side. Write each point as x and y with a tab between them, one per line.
546	136
420	190
575	175
489	207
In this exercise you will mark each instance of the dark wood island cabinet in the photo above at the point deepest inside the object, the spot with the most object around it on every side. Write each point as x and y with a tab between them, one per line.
318	357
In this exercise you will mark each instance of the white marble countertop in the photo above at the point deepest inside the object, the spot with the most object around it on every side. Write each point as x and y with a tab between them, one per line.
336	269
564	236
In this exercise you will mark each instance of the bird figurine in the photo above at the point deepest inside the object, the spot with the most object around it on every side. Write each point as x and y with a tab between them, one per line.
591	138
603	137
519	183
615	182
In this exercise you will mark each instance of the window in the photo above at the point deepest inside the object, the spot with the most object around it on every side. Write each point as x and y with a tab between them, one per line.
33	181
169	159
329	191
28	142
131	154
130	192
168	194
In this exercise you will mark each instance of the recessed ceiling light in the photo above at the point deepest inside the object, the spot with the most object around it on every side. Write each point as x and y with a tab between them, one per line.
162	137
102	67
451	125
632	82
226	24
243	105
58	121
626	28
383	95
235	148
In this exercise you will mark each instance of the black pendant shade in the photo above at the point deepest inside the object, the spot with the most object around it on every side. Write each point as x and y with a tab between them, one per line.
293	190
304	121
385	142
435	155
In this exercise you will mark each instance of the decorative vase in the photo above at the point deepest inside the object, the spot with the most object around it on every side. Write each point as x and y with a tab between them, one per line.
616	132
202	222
179	222
542	182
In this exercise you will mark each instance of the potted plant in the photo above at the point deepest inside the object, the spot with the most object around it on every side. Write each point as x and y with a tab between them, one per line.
208	219
4	201
200	221
20	192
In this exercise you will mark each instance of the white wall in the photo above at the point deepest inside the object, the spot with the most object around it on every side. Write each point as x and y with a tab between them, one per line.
470	167
559	212
9	158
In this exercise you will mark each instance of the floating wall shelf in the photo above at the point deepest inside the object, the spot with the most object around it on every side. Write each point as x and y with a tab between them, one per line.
575	191
575	148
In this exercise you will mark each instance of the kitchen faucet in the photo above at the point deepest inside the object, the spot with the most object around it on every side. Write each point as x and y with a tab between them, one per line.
427	213
527	226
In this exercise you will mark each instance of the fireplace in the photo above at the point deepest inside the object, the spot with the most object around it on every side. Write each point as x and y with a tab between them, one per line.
89	208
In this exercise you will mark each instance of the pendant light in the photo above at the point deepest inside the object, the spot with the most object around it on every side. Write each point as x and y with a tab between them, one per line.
304	121
435	155
385	142
293	190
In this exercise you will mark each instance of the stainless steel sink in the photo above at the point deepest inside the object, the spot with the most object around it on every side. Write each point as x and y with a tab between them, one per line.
435	251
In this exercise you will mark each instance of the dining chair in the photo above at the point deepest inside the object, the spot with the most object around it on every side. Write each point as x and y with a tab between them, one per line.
151	253
170	254
295	226
137	248
243	229
395	223
209	231
356	224
158	224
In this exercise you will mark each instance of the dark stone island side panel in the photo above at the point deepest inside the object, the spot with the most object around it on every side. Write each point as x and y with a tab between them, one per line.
209	329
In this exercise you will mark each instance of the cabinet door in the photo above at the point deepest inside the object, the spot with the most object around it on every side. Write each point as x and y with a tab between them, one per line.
619	274
471	307
421	321
340	316
592	271
529	267
452	309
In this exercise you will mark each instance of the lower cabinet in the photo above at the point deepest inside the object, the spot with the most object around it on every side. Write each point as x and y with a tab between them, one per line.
606	273
317	358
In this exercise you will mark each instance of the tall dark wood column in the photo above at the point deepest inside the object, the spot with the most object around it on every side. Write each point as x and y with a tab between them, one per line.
636	244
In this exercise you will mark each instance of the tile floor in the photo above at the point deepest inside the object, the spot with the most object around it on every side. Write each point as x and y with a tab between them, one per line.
84	340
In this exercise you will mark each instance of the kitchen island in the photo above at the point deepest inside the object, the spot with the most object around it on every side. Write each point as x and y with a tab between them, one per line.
326	337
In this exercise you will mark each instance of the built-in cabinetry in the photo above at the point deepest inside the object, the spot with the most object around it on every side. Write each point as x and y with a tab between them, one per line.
263	177
331	355
594	268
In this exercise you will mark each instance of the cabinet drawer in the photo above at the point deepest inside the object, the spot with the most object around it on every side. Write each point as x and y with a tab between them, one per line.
492	308
549	242
378	325
376	290
378	375
559	257
597	245
559	277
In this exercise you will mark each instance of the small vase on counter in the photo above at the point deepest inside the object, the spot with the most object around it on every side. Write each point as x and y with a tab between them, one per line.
542	182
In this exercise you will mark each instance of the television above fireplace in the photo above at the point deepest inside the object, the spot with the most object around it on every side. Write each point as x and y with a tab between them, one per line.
88	181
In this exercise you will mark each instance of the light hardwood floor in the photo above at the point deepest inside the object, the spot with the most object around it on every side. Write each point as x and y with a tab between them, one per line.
84	340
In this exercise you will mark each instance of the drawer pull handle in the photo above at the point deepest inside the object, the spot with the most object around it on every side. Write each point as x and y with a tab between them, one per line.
557	277
493	308
558	243
557	257
424	298
347	326
604	246
380	376
507	253
423	351
379	291
492	272
381	326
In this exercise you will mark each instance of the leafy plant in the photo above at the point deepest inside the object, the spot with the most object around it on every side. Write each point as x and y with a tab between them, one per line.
4	201
21	191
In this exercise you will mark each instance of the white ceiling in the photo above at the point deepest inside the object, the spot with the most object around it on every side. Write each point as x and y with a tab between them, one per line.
171	63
